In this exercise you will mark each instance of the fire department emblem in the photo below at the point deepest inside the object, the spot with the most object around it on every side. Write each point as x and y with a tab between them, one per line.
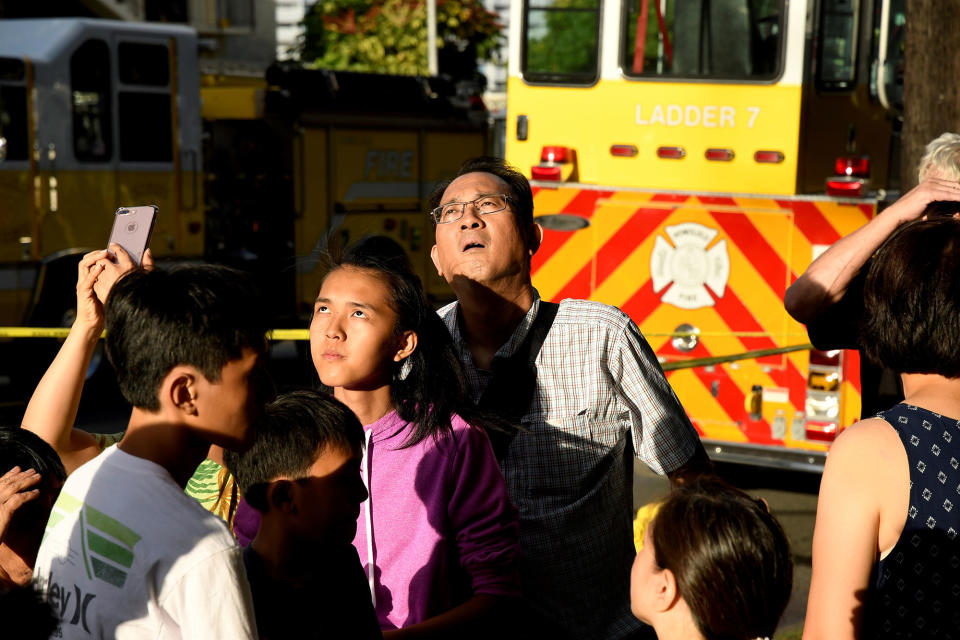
689	266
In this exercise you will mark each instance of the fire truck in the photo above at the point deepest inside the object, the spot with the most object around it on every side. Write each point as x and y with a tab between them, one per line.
266	168
690	159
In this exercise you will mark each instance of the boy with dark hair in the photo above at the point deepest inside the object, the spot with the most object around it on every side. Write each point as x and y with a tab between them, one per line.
126	554
303	475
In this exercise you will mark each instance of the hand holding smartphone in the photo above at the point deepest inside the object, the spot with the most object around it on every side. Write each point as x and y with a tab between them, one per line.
132	227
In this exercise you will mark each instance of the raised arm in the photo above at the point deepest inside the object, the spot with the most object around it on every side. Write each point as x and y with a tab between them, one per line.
827	278
53	406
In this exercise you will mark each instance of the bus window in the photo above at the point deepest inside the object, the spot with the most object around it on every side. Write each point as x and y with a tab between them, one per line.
13	110
702	39
13	121
145	127
837	59
12	69
146	124
561	40
144	64
90	91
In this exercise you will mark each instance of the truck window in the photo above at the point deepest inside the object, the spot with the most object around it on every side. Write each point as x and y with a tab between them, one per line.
144	104
893	36
144	64
561	39
837	58
703	39
90	97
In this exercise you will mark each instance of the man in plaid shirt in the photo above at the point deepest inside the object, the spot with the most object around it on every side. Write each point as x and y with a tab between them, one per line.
600	397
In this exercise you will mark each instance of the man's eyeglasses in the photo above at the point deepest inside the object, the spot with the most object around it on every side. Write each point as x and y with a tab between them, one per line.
453	211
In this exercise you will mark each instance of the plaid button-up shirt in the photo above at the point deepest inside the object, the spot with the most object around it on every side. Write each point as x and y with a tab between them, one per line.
601	396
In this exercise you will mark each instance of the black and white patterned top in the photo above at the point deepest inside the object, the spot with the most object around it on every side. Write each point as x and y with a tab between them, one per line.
915	589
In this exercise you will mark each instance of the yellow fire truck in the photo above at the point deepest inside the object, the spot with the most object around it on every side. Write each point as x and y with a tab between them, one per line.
690	160
260	171
96	113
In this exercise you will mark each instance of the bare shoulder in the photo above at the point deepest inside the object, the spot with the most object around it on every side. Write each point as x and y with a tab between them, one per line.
864	454
874	436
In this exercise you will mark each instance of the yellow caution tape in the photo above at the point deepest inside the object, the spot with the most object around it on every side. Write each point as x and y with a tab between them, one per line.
34	332
61	332
304	334
288	334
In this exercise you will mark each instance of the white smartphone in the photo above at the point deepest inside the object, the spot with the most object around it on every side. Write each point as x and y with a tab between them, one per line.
132	227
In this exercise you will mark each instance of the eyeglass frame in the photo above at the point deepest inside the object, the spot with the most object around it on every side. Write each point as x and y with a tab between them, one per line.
507	199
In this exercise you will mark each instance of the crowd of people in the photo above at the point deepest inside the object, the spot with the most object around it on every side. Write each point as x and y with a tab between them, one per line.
468	472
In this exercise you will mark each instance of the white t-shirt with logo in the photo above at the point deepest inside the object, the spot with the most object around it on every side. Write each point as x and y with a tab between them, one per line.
127	554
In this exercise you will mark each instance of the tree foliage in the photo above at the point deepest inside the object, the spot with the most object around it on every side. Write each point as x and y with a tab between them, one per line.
390	36
562	38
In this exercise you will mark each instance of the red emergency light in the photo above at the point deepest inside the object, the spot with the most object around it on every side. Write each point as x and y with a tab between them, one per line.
845	187
553	154
854	167
538	172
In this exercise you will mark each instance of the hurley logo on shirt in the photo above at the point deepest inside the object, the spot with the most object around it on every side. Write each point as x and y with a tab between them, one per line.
107	544
70	604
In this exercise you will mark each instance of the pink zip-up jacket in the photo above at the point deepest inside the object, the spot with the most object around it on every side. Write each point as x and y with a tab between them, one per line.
438	526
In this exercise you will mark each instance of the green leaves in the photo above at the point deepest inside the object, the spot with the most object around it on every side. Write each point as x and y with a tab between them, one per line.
390	36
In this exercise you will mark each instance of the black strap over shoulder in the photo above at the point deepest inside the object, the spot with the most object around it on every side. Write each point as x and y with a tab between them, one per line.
514	381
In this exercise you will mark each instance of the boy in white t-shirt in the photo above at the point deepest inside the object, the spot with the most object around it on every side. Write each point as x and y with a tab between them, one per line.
126	554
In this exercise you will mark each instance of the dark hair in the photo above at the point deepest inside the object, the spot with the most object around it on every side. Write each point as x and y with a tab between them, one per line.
295	430
25	449
911	299
26	614
716	539
434	386
521	197
197	315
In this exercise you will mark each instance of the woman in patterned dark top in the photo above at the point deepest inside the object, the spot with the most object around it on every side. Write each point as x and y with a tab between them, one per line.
886	558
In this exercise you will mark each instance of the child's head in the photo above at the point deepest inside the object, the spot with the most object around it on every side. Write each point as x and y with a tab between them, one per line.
722	554
304	467
23	449
912	298
205	326
372	327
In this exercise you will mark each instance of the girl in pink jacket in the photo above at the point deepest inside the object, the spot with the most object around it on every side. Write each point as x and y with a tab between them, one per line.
438	535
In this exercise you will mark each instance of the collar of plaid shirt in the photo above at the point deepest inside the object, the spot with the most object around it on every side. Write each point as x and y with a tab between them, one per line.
452	320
